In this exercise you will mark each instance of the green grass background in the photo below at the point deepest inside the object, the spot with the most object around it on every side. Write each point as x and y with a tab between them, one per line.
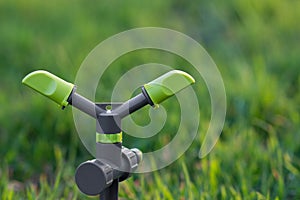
255	44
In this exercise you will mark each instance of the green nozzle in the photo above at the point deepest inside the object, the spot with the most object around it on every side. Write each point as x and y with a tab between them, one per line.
167	85
50	86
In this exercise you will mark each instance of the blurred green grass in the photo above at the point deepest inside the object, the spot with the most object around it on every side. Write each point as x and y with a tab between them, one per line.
256	47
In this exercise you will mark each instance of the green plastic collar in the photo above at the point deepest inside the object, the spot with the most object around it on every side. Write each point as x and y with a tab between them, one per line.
167	85
109	138
50	86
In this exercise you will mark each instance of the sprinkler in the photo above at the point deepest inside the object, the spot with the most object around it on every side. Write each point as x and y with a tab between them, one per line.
113	163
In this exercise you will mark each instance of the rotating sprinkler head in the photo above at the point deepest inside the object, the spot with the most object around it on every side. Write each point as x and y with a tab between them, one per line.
113	163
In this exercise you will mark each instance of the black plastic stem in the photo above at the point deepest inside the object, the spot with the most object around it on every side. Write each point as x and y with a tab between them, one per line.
109	123
111	193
